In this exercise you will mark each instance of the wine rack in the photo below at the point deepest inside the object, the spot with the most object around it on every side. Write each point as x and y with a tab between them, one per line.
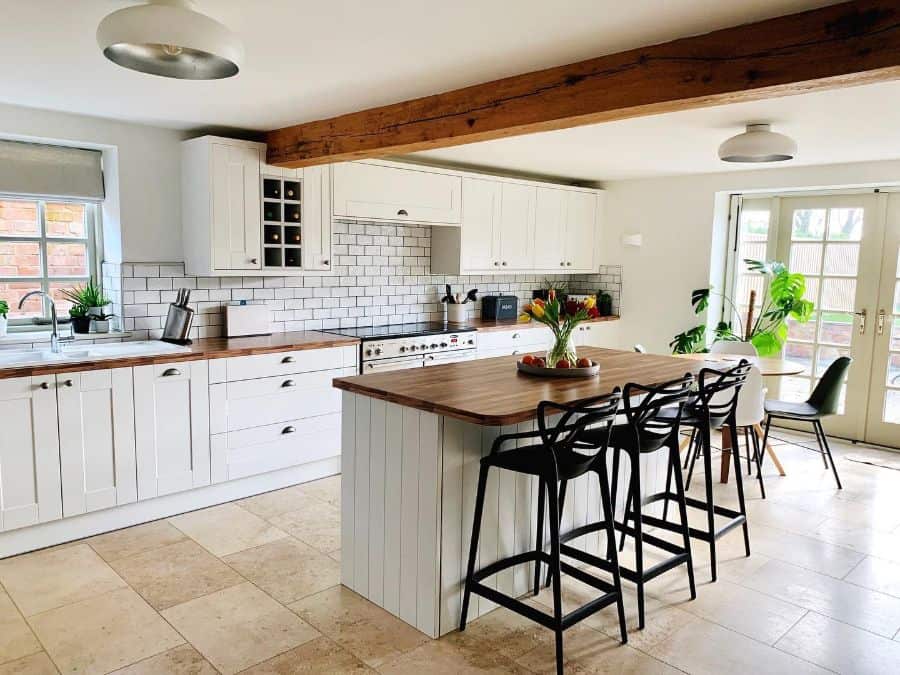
282	211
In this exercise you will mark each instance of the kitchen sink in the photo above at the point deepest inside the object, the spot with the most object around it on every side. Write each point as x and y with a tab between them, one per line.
32	357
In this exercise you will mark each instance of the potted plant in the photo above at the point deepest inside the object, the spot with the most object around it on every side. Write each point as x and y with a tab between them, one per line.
100	322
93	299
81	322
4	312
562	318
768	330
604	303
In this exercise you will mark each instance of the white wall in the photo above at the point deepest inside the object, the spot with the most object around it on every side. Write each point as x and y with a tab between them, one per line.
678	218
142	212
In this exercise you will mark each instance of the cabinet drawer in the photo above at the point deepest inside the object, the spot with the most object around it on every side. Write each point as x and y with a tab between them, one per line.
272	400
513	339
397	194
276	446
238	368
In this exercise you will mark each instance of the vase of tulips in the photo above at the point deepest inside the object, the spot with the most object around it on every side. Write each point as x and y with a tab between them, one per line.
562	318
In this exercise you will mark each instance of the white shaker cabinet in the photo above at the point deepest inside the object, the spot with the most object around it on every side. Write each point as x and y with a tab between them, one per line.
172	427
29	453
550	229
316	217
581	231
97	441
517	202
386	191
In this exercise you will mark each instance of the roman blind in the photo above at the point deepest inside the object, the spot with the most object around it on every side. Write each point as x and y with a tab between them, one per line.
37	170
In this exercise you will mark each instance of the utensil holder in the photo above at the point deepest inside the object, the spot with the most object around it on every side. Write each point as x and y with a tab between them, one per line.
456	313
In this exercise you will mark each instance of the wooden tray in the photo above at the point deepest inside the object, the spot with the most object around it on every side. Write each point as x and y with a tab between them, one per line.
593	371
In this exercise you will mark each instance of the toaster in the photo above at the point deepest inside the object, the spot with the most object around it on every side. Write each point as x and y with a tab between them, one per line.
499	307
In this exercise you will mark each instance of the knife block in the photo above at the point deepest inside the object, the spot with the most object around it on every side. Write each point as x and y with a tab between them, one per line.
178	325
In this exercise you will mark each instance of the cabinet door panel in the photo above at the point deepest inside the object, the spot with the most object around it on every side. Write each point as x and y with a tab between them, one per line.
480	248
172	427
581	225
517	226
29	453
316	225
549	229
235	207
97	453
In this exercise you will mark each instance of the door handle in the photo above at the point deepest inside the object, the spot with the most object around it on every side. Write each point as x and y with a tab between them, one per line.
288	359
880	322
170	372
288	383
288	430
862	321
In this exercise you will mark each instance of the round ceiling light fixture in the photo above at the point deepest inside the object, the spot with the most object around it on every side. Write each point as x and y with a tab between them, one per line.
170	38
758	144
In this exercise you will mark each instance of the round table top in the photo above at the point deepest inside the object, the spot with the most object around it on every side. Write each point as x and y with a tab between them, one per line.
769	367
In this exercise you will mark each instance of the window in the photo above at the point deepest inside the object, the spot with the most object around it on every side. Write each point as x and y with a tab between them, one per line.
45	245
754	228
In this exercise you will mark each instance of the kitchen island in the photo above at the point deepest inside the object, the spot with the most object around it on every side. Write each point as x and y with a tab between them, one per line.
411	445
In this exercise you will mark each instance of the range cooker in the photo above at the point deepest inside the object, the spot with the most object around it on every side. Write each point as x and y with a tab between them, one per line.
410	345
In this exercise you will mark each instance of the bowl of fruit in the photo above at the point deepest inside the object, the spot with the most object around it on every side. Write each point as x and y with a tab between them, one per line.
537	365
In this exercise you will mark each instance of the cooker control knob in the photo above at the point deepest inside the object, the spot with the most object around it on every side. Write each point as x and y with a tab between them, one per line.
443	344
423	347
377	351
412	348
434	345
368	352
471	341
402	349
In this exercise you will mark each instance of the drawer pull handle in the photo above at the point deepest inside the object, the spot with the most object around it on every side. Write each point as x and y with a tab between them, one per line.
402	212
67	383
288	383
515	336
171	372
288	359
288	430
44	385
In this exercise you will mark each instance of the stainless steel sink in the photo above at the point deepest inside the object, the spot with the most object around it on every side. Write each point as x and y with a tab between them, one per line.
30	357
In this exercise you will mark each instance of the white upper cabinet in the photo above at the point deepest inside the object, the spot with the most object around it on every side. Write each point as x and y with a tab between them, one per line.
221	213
390	192
96	431
517	205
481	215
172	427
550	229
316	224
581	231
29	452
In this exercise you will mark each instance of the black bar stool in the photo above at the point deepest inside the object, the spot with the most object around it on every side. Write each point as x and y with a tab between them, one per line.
560	453
646	431
715	407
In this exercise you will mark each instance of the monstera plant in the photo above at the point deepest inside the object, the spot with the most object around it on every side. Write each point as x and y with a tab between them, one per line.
768	329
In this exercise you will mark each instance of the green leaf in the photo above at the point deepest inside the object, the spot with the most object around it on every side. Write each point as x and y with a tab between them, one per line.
802	310
690	341
766	344
700	299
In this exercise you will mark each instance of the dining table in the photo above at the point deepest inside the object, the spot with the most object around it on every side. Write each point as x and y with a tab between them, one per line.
768	367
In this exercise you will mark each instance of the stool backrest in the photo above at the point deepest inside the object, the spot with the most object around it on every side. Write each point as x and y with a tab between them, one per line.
717	397
643	404
566	433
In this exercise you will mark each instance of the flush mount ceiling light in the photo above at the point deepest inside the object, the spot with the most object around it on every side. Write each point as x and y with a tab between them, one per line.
758	144
170	38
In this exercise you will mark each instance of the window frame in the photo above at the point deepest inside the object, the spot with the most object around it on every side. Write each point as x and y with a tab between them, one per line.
90	240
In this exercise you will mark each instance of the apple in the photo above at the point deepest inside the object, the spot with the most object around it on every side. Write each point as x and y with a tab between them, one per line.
563	363
540	362
584	363
528	360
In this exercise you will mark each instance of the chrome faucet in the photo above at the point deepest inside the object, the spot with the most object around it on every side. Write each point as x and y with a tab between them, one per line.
54	336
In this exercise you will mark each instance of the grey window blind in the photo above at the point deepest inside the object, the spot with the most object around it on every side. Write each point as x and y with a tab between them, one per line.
38	170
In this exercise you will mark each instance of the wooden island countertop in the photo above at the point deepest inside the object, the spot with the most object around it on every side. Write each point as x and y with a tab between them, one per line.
487	325
491	392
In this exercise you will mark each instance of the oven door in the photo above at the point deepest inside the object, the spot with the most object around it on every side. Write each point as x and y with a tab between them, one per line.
384	365
449	357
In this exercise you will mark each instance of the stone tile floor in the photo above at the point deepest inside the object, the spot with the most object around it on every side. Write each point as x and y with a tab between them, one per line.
253	586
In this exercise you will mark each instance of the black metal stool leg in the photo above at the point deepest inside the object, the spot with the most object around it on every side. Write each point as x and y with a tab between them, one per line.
710	513
638	536
562	503
695	450
554	516
539	536
757	450
665	512
816	429
611	553
682	514
473	547
834	470
739	480
629	504
765	440
687	457
747	445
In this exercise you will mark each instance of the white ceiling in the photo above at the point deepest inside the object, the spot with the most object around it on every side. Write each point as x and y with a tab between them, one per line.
843	125
309	60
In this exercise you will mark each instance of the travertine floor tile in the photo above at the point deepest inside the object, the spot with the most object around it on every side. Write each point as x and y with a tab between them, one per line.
35	664
103	633
287	569
860	607
316	523
362	628
239	627
176	573
326	489
316	656
506	632
134	540
878	575
16	638
183	660
704	647
56	577
450	656
271	504
844	649
226	529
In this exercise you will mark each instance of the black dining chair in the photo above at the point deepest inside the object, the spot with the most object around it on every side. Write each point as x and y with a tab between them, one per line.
558	452
644	430
823	402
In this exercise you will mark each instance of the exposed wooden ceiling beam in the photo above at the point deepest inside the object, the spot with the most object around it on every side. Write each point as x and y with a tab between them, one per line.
848	44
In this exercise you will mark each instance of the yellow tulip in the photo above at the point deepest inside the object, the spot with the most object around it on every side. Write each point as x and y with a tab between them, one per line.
590	301
527	308
537	311
524	318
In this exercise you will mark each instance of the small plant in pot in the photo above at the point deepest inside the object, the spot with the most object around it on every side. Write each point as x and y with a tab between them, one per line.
101	322
81	322
4	313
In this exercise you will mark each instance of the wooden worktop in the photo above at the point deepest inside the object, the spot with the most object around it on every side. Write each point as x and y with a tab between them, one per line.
203	348
486	325
491	392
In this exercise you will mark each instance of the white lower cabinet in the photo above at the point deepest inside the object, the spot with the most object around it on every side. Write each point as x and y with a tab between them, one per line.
29	453
591	335
171	427
514	341
96	439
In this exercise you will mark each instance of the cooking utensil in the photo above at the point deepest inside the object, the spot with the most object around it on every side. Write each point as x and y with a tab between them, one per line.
471	296
448	296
